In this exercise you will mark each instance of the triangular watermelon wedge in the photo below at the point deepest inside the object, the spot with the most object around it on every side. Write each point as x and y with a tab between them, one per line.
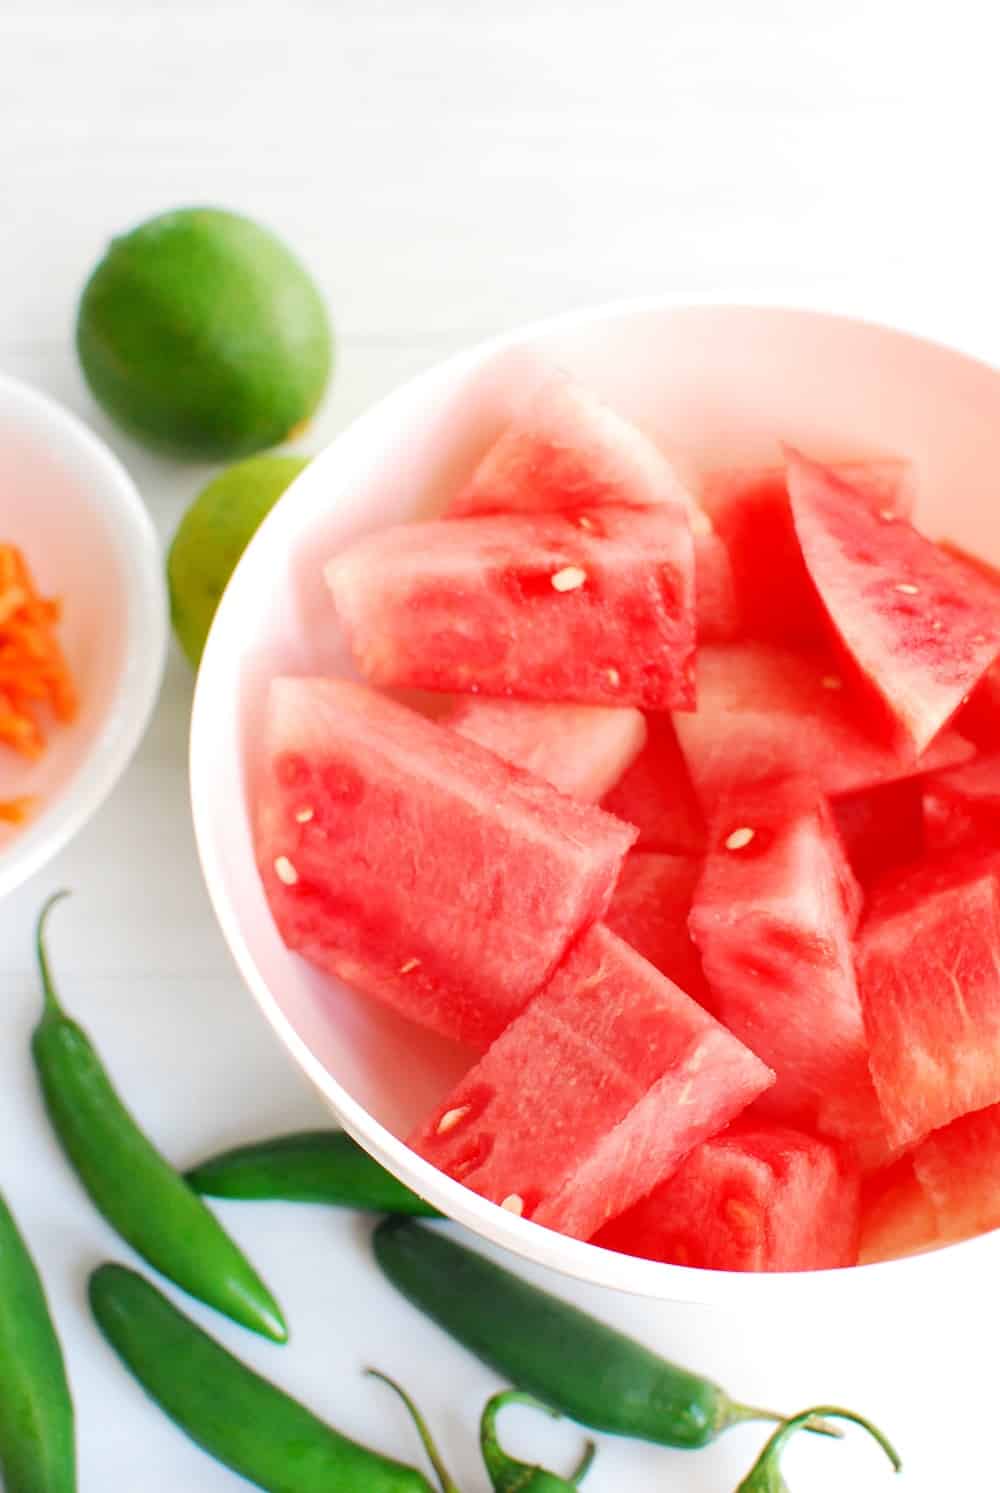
921	626
766	1197
565	448
773	916
593	1095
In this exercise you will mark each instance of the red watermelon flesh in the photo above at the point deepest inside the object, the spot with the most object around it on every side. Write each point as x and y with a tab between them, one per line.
649	910
921	626
928	963
959	1169
582	750
656	794
717	602
962	806
766	1198
750	512
881	827
768	712
417	866
897	1216
979	717
773	916
596	608
565	448
593	1095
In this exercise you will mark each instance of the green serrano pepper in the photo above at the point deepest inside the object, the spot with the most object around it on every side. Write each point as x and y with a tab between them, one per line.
765	1475
131	1184
314	1166
563	1357
37	1446
253	1427
241	1419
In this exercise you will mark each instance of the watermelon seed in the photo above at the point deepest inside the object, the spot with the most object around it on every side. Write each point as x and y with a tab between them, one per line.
303	816
408	966
832	681
451	1118
513	1204
905	589
740	838
613	677
887	515
584	522
285	871
570	578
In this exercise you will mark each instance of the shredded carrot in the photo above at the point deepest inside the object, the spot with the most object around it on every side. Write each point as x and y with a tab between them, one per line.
16	810
34	673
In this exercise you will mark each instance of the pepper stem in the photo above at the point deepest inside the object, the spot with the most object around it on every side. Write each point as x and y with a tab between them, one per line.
765	1475
448	1485
506	1473
584	1465
737	1414
53	1007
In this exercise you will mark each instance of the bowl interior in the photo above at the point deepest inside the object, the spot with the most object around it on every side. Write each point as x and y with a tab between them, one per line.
718	385
88	541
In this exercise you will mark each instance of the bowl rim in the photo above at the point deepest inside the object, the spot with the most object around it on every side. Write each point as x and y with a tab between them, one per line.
753	1292
141	672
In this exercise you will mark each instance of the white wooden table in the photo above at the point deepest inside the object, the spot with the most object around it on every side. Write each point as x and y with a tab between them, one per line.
447	172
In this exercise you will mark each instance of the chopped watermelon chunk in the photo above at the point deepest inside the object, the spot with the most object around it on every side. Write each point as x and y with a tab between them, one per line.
750	511
656	794
882	827
767	1198
565	448
582	750
945	1190
897	1216
650	909
921	626
768	712
962	806
593	1095
417	866
773	917
928	963
958	1168
595	608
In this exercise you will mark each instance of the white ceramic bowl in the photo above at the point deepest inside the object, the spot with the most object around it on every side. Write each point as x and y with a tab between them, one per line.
722	384
74	510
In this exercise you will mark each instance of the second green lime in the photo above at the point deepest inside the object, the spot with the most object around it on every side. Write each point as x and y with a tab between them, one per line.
204	336
212	536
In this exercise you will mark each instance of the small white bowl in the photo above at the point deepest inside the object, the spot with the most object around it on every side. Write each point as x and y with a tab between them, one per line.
75	512
722	384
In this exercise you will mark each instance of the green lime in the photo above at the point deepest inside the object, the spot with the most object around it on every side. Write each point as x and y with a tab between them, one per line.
202	335
212	536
